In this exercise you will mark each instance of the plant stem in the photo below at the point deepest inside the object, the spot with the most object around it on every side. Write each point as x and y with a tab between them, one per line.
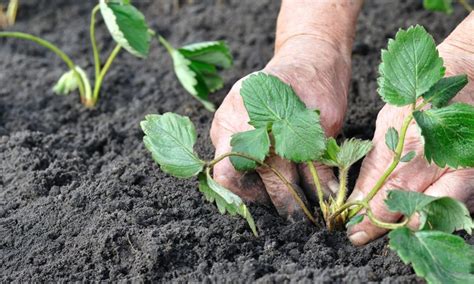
466	5
385	225
391	167
93	41
317	183
83	92
341	194
166	44
293	192
344	207
103	72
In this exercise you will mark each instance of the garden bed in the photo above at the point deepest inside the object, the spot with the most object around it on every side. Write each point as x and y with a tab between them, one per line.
81	199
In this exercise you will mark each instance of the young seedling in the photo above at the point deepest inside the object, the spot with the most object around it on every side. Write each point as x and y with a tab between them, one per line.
445	6
195	65
411	74
8	16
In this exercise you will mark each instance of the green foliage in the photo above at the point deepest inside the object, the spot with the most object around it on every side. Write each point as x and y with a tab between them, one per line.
225	199
127	26
215	53
255	143
410	67
300	137
445	6
355	220
448	135
447	215
68	82
268	99
347	154
273	105
436	213
391	138
438	257
196	66
170	138
444	90
408	157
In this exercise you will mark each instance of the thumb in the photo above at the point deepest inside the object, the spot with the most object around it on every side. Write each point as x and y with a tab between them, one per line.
458	184
417	175
281	196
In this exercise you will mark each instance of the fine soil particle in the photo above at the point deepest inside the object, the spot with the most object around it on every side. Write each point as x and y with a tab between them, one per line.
80	196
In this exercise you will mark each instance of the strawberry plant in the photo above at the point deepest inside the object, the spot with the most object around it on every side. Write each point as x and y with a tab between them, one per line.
195	65
445	6
411	75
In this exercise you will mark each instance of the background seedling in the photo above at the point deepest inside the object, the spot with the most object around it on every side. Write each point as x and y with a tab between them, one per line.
8	15
445	6
195	65
411	75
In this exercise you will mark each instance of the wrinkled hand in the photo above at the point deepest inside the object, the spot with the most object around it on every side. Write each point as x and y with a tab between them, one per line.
321	80
417	175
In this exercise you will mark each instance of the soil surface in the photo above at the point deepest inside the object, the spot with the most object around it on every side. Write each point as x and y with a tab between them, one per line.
81	199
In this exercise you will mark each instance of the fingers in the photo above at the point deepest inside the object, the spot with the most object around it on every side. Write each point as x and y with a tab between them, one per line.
458	184
281	196
327	179
417	175
230	119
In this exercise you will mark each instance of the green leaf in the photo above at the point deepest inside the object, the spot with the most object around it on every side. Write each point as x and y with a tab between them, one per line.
355	220
448	135
195	67
447	88
347	154
329	157
391	138
191	78
353	150
68	82
225	199
170	139
127	26
445	6
216	53
410	67
332	149
436	256
299	137
268	99
436	213
407	202
408	157
255	143
447	215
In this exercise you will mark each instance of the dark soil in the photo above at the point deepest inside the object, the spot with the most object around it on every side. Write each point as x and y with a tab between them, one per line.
80	198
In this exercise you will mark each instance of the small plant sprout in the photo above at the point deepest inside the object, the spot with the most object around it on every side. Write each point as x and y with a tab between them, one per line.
8	15
195	65
445	6
411	75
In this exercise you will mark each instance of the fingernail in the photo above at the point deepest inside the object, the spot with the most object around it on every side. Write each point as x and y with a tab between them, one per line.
359	238
356	195
333	186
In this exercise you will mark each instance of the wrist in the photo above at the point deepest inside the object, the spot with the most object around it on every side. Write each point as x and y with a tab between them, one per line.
331	21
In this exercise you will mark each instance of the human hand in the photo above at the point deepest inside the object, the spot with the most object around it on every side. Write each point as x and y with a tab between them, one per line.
457	52
321	84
